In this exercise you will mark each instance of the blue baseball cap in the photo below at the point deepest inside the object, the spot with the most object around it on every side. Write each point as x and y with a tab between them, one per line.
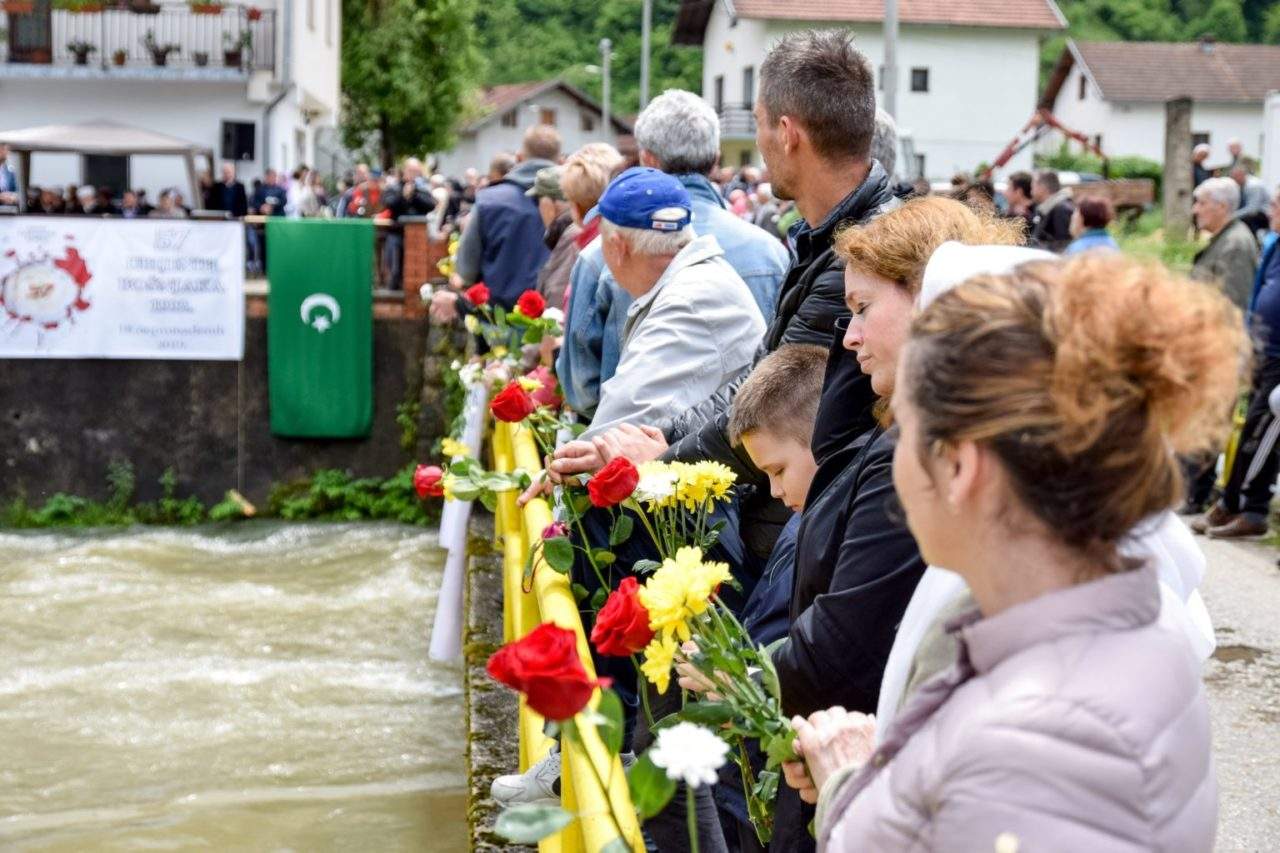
646	198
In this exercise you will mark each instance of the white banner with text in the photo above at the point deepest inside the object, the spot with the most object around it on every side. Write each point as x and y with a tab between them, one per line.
77	287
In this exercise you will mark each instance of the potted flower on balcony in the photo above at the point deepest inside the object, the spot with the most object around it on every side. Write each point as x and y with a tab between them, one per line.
159	52
201	57
253	13
119	57
234	46
205	7
144	7
19	7
81	50
79	7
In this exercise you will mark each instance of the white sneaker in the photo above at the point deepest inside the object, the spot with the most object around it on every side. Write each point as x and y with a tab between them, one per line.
539	785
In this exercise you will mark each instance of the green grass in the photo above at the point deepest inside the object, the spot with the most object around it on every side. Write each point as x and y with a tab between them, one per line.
1143	237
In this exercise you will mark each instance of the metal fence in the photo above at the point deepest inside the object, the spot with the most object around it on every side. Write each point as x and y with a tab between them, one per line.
241	38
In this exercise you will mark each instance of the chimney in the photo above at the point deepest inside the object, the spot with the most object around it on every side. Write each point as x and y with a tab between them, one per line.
1207	42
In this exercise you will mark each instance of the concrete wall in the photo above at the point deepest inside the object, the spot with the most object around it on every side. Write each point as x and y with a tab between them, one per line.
982	82
1138	127
63	421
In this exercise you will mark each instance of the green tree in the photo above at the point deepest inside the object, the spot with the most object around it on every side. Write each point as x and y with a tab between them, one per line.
1224	20
407	67
1271	25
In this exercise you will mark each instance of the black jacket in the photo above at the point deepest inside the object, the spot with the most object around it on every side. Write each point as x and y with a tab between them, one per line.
415	202
810	301
1052	229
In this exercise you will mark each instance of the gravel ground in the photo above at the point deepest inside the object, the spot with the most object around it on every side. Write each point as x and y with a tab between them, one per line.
1242	592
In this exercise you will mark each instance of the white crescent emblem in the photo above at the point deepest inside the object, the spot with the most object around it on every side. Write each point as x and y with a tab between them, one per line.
320	300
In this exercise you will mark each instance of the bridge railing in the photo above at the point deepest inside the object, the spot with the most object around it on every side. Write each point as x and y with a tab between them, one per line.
583	764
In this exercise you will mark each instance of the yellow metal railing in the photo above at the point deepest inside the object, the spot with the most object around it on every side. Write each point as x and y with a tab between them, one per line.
583	764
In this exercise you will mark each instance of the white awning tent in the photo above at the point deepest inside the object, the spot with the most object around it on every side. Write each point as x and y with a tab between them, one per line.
100	137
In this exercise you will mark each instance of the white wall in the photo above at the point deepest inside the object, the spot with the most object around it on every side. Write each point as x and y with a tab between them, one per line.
183	108
317	37
1138	127
982	82
476	151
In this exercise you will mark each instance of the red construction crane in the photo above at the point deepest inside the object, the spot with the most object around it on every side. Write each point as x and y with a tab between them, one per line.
1042	121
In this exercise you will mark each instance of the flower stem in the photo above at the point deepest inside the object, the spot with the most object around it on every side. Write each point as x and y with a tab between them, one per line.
644	693
691	816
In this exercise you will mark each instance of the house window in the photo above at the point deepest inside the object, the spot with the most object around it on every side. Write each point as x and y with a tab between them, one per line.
237	140
919	79
920	165
1199	139
719	93
509	118
1084	87
547	116
311	15
1097	141
748	87
588	123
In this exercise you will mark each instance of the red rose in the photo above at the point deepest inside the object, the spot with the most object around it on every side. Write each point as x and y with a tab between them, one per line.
555	529
427	481
622	625
613	483
477	294
531	304
549	394
512	404
545	667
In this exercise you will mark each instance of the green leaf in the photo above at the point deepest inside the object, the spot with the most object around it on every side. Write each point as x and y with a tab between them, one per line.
651	790
489	500
527	824
579	593
581	502
768	673
644	567
603	556
598	600
778	748
558	552
622	528
577	429
610	708
711	714
533	335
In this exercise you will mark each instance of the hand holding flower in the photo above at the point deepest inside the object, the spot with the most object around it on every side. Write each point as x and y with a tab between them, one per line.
828	741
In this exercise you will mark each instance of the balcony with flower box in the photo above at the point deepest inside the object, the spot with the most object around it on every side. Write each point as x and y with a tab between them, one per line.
135	39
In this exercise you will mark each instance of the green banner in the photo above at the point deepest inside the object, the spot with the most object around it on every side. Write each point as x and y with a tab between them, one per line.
320	327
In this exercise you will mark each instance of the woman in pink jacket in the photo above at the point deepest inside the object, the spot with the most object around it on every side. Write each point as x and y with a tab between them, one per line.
1040	414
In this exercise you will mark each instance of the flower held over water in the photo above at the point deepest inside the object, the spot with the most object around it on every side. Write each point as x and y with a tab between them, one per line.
545	667
613	483
531	304
689	753
512	404
622	625
477	294
427	481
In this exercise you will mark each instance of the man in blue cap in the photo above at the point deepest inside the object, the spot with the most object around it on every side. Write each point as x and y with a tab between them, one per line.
694	325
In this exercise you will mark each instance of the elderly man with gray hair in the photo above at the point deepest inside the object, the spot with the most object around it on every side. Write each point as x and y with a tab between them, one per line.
1231	258
692	326
679	134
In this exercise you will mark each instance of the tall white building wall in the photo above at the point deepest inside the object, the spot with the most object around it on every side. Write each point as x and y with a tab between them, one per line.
982	82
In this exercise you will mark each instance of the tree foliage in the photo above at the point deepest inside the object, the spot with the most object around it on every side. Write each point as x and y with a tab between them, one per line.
407	68
523	40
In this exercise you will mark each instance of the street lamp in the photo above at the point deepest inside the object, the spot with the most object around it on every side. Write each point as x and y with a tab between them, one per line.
606	57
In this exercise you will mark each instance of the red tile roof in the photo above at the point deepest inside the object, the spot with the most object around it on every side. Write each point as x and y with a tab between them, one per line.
691	20
502	98
495	100
1160	71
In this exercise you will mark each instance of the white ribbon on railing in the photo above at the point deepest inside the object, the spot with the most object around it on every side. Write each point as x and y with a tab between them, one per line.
446	632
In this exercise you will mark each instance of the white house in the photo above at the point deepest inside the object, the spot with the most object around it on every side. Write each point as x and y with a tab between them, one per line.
967	78
507	111
252	80
1115	92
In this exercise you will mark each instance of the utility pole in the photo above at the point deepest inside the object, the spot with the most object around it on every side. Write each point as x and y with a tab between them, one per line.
890	79
646	26
606	57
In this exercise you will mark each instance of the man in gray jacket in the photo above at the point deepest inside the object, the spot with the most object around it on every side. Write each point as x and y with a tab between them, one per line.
1231	258
694	324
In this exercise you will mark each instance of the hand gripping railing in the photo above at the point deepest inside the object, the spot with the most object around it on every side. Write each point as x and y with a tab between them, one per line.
551	600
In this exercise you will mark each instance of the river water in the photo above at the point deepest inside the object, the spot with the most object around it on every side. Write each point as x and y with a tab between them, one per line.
258	687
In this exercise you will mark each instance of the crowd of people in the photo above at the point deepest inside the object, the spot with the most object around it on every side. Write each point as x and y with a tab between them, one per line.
959	425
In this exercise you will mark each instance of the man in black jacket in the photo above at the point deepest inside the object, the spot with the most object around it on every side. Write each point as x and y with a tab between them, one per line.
1051	216
815	118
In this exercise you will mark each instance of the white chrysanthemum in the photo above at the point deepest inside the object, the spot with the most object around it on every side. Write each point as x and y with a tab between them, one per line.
657	483
554	314
689	753
469	374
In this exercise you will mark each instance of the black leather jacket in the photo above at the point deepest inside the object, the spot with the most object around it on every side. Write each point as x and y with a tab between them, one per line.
810	302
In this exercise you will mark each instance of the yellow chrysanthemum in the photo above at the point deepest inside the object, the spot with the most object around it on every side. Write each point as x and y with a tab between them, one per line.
529	384
454	449
659	658
679	590
471	323
498	352
447	484
701	483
